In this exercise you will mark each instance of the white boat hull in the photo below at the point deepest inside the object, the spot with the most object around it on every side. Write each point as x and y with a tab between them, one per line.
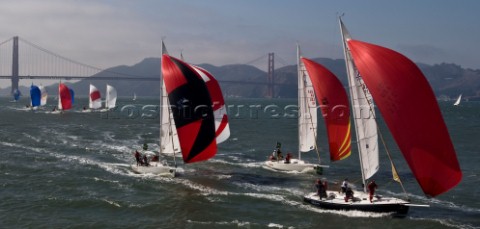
294	165
155	168
361	202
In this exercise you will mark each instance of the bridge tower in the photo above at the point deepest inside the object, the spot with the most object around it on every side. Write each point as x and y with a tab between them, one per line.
271	75
15	77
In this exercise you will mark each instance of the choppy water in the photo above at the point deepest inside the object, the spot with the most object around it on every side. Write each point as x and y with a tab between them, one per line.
72	171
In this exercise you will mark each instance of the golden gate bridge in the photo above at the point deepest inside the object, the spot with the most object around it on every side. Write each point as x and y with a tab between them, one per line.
31	61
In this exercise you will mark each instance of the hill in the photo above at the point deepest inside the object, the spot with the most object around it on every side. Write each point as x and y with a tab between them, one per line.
447	80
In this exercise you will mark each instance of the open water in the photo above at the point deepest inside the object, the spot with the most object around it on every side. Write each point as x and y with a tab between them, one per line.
72	170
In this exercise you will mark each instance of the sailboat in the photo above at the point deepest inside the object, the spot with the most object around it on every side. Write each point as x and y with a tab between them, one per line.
43	95
459	99
134	96
38	96
65	98
94	99
191	126
307	127
409	108
16	95
110	98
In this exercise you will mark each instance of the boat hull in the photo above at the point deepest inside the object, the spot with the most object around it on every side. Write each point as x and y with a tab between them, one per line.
155	168
294	165
336	201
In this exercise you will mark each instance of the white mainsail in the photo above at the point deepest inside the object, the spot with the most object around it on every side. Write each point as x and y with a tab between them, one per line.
111	97
363	114
459	99
307	109
94	100
44	95
169	143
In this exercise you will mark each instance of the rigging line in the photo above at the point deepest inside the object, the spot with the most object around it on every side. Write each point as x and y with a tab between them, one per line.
73	61
6	41
281	60
255	60
371	109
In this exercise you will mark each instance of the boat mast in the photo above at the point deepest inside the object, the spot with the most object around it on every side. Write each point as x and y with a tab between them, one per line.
299	88
163	95
352	84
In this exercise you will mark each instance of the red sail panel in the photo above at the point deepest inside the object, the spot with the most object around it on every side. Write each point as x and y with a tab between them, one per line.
192	110
95	95
65	97
411	112
333	102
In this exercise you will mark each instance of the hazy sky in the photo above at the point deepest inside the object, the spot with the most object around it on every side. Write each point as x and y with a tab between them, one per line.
108	33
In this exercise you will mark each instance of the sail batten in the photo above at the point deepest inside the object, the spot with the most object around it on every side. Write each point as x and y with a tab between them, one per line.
408	105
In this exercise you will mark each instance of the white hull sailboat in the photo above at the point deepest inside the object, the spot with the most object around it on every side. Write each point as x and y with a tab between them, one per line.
169	142
428	151
194	135
307	127
161	168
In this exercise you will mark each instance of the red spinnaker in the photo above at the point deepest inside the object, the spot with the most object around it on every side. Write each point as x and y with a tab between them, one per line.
65	97
411	112
192	109
333	102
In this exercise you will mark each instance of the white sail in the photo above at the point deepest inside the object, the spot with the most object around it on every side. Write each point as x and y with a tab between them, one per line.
59	99
44	95
111	97
169	143
307	109
94	99
363	116
134	96
459	99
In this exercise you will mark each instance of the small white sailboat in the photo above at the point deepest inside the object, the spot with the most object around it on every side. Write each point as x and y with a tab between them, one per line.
111	97
307	127
134	96
94	99
459	99
43	95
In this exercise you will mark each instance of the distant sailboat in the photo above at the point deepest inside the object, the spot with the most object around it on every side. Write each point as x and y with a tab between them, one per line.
134	96
94	98
43	95
401	93
111	97
35	96
16	95
65	97
459	99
